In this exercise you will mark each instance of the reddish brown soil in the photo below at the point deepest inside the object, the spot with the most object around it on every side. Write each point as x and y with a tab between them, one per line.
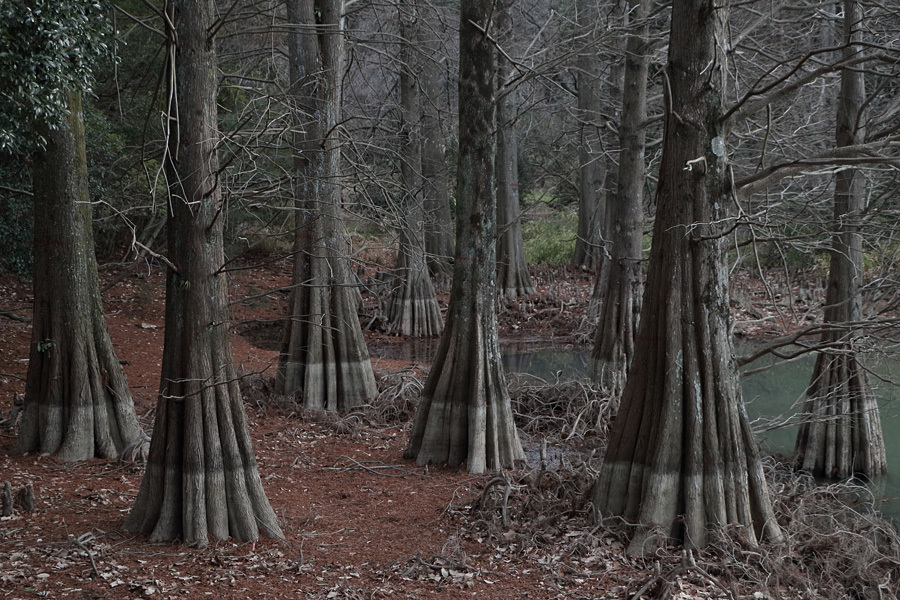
360	521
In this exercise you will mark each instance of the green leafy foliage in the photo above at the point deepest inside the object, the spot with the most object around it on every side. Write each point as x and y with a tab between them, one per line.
16	224
46	48
549	238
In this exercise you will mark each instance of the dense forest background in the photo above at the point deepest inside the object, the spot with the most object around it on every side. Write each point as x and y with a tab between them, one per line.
430	169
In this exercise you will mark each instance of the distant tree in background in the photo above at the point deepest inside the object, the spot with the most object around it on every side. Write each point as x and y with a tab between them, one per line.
439	244
513	278
840	432
412	308
621	288
324	360
465	414
592	209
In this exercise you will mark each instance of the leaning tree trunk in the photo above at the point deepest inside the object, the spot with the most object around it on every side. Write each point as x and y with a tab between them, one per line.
591	156
841	430
435	176
77	402
681	460
201	476
324	360
413	308
465	412
620	300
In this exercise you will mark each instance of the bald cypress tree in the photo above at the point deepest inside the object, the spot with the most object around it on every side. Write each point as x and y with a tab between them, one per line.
513	278
592	210
619	290
324	360
412	309
465	413
681	459
77	401
201	478
840	434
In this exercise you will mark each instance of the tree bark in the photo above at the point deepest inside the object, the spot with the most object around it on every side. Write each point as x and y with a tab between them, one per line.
620	300
435	176
201	476
513	279
465	412
681	459
77	402
591	155
412	309
841	430
324	360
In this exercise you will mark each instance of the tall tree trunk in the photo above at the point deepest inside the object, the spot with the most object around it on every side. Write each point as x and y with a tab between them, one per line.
77	402
435	176
621	294
682	459
201	476
324	359
591	155
465	412
612	90
513	279
841	431
413	309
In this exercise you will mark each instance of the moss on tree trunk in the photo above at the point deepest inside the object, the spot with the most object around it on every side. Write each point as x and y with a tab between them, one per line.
77	402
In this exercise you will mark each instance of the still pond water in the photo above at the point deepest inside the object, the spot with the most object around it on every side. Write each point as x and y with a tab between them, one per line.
771	398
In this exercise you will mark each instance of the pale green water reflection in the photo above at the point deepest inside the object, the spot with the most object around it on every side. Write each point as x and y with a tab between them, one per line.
772	397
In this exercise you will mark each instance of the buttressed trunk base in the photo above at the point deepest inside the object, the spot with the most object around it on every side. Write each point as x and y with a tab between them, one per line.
77	402
681	460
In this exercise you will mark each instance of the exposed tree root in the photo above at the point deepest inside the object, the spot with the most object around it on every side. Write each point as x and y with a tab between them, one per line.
836	546
564	411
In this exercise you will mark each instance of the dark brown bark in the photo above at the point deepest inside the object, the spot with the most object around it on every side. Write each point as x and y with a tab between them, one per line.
465	412
513	279
841	430
201	476
435	174
620	301
324	360
412	309
591	155
681	459
77	402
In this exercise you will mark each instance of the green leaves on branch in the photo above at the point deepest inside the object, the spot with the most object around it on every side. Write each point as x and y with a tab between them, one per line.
46	48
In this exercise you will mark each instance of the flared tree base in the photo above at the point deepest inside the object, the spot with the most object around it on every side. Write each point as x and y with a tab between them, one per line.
465	413
413	308
840	435
201	478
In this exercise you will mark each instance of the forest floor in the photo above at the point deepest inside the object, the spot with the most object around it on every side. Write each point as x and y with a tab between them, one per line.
360	521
